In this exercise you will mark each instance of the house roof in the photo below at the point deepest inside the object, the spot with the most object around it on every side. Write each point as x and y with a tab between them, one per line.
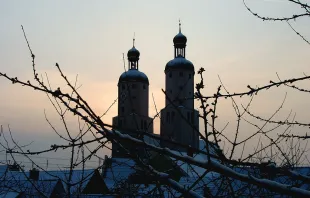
117	171
192	170
8	194
29	187
79	178
151	140
3	168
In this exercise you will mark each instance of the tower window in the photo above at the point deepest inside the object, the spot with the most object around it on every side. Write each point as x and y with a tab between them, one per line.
120	123
181	74
189	76
123	86
188	117
170	75
133	86
144	87
122	109
172	116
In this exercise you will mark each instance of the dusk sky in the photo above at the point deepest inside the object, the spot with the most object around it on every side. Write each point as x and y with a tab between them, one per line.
88	38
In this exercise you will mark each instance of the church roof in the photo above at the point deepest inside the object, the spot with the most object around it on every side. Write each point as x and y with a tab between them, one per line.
179	62
133	75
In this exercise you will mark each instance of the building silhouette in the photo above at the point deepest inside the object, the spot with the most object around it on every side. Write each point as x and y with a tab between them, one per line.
179	119
133	101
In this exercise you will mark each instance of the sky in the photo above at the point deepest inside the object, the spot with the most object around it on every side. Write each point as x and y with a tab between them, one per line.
88	39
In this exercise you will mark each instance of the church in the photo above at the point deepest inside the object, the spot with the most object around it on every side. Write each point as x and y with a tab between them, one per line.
179	121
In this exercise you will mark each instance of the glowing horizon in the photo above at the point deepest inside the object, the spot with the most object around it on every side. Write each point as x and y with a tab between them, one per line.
89	39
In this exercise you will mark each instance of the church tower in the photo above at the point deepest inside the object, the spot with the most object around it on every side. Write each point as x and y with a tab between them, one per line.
133	101
179	118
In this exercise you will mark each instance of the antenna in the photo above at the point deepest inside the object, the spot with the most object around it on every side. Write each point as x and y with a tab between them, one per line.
179	25
134	38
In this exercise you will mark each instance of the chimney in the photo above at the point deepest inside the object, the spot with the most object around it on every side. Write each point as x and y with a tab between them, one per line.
34	174
14	167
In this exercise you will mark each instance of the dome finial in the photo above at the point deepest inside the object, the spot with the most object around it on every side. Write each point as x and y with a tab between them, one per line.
134	39
180	25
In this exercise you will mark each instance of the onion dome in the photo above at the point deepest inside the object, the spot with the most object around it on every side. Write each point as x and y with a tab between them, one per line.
133	54
180	40
133	75
179	62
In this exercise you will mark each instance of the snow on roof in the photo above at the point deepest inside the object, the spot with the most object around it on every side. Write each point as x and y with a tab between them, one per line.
213	148
214	181
192	170
3	168
78	177
12	175
151	140
199	187
118	171
94	196
8	194
29	187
